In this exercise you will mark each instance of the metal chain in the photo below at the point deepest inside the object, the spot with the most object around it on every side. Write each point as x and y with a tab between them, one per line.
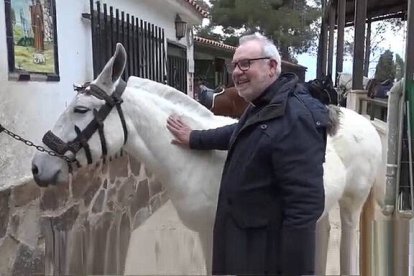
31	144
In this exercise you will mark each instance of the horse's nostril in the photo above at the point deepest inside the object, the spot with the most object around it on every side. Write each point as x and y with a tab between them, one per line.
35	170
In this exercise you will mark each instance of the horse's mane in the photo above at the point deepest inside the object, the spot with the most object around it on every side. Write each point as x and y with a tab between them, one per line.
177	98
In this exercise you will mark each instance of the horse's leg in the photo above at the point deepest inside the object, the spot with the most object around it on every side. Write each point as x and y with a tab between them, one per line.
350	210
323	229
206	239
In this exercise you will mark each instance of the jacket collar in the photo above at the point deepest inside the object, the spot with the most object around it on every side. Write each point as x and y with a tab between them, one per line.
277	90
272	103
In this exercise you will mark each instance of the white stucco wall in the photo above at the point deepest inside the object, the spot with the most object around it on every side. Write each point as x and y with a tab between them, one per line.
31	108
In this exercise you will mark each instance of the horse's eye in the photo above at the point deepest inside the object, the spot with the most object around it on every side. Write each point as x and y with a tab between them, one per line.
81	109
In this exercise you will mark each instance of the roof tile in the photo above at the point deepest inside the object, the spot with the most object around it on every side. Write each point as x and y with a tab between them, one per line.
197	7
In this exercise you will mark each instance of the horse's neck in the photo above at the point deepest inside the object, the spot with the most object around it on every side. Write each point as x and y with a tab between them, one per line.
150	141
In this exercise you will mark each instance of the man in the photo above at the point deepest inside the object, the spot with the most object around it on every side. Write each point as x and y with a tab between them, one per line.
271	192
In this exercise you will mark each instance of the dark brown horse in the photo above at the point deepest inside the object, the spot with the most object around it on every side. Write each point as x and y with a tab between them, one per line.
222	101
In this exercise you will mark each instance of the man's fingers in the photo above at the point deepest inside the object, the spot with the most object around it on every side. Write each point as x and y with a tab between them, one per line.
175	142
179	130
175	122
179	143
173	130
179	121
171	124
174	118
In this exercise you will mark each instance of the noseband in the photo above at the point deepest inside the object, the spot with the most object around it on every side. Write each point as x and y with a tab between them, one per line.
82	136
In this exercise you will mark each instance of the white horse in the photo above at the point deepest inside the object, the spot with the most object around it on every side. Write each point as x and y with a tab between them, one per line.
352	155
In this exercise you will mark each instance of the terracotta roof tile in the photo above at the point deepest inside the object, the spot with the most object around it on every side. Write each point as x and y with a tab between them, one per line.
211	42
197	7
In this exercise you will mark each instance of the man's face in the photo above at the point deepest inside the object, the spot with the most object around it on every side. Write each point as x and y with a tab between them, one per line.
253	72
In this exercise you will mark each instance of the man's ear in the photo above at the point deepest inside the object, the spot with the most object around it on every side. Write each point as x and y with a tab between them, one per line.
273	65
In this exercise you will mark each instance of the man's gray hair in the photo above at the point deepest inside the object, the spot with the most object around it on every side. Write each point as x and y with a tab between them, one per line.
269	48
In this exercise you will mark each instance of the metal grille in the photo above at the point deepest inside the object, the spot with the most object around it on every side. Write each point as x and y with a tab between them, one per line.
177	67
143	41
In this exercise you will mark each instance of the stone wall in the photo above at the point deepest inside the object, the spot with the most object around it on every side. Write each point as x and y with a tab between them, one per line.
81	227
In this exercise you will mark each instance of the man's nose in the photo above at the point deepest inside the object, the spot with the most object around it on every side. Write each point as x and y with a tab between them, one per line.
237	71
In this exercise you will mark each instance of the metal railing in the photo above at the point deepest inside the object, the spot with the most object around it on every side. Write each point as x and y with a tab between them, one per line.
374	107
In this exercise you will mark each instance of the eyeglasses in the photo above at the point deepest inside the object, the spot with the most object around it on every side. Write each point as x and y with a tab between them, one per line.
244	64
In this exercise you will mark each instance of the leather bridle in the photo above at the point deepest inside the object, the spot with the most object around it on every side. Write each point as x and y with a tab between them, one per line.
97	124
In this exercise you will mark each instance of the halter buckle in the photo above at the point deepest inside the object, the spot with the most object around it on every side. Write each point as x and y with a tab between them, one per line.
117	99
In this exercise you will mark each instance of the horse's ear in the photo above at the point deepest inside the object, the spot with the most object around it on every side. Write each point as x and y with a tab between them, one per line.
113	69
119	62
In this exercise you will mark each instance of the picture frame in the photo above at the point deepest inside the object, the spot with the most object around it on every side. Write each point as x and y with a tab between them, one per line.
32	39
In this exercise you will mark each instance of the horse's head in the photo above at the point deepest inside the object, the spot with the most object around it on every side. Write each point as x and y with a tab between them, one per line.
89	127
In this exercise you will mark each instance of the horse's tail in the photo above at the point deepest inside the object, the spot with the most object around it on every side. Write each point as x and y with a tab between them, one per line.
333	121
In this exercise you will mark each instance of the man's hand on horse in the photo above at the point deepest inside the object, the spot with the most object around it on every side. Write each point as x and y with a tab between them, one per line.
180	130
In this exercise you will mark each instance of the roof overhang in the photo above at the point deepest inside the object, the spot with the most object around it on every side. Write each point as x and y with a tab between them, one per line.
209	43
376	9
188	10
